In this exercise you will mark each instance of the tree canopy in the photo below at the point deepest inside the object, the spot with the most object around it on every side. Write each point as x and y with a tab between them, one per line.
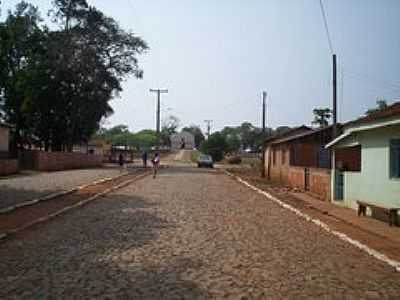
322	116
56	85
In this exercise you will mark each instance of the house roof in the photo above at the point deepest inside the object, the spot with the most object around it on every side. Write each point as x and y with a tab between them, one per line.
379	115
291	132
304	134
389	111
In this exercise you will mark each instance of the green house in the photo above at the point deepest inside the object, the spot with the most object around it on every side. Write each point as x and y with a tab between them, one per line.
366	160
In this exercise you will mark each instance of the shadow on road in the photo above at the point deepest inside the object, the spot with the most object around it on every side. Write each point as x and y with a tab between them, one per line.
10	196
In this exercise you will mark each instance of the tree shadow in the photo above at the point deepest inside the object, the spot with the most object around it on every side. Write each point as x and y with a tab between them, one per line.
10	196
98	250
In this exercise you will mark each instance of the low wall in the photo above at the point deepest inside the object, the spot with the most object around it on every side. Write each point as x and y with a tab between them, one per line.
319	180
8	166
57	161
320	183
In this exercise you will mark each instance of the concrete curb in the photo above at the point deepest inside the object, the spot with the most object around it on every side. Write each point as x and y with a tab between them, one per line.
342	236
58	194
8	234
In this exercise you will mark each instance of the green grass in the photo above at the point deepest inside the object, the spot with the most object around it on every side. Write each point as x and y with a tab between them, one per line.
195	155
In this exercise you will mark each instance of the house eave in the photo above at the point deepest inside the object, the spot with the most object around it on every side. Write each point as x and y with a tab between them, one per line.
360	129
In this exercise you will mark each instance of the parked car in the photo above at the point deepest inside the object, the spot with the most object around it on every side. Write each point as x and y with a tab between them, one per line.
205	161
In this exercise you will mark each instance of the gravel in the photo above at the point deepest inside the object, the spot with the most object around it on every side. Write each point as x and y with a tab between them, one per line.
188	234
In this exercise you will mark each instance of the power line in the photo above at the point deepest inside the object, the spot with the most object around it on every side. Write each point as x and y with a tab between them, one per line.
326	25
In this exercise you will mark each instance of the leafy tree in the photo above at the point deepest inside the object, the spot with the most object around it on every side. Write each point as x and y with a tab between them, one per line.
197	133
215	146
380	103
20	35
170	124
68	76
322	116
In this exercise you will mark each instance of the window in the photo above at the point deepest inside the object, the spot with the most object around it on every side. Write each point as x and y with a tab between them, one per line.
274	157
395	158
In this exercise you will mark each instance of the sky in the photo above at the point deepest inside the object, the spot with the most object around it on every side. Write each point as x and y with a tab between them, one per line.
216	58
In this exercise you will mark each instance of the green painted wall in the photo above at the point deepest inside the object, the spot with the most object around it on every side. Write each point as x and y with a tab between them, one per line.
373	183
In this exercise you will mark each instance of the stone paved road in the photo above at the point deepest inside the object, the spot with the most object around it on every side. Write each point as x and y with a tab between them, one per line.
23	188
187	234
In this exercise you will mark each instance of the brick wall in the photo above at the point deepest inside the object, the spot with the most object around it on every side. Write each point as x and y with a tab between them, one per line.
320	179
57	161
8	166
4	138
320	183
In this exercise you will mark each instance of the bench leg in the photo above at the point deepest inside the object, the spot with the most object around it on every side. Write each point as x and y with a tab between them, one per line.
359	210
392	218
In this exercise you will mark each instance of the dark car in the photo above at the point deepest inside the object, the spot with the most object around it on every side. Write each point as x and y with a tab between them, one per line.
205	161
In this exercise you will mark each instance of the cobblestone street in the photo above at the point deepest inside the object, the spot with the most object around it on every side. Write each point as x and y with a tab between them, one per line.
193	234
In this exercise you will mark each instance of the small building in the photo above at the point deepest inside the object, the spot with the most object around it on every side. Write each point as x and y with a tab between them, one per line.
182	140
8	165
299	159
5	137
97	147
366	160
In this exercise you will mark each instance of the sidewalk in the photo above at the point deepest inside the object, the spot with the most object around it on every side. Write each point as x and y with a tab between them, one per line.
18	189
350	216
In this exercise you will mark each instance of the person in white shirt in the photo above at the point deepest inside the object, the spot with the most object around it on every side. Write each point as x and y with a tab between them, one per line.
156	163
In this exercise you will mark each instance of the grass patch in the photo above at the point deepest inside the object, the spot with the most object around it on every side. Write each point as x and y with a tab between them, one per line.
195	155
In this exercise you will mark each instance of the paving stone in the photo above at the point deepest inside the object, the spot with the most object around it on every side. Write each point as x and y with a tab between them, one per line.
188	234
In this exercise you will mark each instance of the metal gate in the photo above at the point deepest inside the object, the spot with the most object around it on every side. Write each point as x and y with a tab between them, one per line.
339	185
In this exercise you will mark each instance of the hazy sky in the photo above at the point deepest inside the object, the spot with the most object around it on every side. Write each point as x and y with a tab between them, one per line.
216	57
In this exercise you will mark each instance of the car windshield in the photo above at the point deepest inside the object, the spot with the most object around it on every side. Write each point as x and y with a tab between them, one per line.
205	157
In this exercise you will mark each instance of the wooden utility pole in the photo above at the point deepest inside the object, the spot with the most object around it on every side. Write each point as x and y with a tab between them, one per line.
264	99
334	105
208	127
159	92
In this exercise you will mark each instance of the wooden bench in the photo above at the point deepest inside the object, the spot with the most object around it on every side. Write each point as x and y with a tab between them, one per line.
391	212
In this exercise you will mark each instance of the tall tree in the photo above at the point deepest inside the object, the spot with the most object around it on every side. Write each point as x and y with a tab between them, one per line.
20	35
59	83
322	116
380	104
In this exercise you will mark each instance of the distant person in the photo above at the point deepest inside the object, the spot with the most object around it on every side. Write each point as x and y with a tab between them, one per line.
156	163
144	158
121	161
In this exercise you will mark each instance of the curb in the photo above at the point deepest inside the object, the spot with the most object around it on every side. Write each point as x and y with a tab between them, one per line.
4	236
9	209
342	236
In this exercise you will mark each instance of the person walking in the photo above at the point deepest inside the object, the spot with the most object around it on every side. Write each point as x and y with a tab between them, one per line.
156	163
144	158
121	161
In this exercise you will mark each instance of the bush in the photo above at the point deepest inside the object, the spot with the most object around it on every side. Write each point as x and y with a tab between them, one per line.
234	160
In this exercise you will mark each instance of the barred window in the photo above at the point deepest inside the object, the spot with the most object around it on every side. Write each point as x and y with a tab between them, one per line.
395	158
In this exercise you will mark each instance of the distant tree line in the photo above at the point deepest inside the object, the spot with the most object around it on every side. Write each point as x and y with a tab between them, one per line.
56	84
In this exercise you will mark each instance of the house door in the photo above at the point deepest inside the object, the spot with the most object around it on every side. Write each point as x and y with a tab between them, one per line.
339	185
307	179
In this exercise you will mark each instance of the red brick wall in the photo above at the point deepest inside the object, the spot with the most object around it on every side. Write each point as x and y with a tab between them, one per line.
57	161
8	166
320	179
296	177
320	183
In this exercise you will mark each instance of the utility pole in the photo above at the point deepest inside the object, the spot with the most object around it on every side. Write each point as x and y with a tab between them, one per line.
334	106
264	95
159	92
208	127
264	99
